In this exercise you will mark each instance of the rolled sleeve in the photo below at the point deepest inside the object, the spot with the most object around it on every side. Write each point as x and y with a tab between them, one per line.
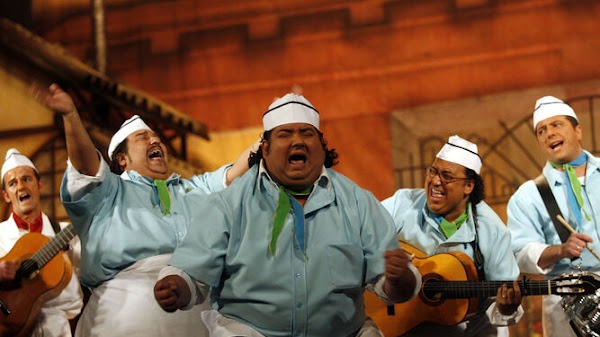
497	319
77	184
529	256
377	287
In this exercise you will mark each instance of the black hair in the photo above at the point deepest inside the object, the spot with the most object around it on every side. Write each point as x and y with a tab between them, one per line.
331	156
572	120
478	193
114	163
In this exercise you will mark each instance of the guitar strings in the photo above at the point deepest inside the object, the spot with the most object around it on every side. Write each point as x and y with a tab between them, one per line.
461	288
39	259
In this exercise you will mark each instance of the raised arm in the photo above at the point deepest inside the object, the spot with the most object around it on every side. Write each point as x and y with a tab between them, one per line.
81	150
240	166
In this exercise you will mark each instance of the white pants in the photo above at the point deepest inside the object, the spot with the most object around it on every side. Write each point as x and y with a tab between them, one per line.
554	320
221	326
125	306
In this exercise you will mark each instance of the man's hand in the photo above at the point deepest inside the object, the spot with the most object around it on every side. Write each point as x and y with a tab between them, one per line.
172	293
400	281
508	299
8	270
575	245
571	249
55	98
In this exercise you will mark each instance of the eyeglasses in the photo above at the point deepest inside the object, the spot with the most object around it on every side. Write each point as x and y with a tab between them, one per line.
445	177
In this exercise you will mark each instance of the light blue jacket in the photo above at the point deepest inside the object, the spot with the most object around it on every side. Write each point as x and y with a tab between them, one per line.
416	226
119	219
316	293
533	230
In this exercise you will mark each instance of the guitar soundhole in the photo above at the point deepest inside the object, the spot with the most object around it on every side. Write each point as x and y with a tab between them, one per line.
430	294
28	269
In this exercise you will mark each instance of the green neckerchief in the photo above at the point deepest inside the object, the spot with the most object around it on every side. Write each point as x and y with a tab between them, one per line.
163	196
574	183
284	205
449	228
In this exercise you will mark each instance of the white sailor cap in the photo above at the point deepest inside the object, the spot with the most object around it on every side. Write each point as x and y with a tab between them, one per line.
290	108
462	152
550	106
14	159
128	127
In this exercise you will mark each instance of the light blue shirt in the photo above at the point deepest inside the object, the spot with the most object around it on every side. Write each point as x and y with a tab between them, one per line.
416	226
531	226
319	293
119	219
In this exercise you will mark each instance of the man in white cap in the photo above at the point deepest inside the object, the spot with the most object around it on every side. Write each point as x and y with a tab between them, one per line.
21	187
129	223
449	215
572	175
288	249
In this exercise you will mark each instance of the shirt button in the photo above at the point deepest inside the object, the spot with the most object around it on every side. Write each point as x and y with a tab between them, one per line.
298	275
299	305
180	233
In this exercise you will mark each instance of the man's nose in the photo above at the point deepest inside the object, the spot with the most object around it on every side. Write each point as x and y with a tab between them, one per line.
155	140
297	138
20	184
436	179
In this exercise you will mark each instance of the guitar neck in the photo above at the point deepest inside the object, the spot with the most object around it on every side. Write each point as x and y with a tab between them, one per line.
482	289
56	244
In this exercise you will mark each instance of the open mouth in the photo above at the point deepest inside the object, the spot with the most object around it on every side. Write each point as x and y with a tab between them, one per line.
436	192
297	159
24	197
555	145
155	153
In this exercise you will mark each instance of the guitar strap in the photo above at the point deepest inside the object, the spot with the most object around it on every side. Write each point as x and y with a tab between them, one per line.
57	229
551	206
479	260
55	226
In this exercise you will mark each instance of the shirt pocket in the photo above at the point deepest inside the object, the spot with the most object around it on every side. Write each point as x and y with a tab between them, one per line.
345	266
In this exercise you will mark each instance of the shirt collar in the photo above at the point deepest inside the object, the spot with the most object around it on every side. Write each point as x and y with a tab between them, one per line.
36	226
135	176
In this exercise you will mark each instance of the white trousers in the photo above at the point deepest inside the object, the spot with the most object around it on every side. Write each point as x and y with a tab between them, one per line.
125	306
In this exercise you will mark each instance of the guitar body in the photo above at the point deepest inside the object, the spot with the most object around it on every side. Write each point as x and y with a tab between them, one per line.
25	302
451	266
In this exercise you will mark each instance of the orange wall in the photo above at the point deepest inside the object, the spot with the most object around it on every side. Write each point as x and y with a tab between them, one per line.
356	61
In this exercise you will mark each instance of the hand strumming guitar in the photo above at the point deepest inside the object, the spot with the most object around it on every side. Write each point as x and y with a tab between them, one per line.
400	281
8	270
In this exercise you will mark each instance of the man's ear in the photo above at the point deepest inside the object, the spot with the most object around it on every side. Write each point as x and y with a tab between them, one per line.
121	159
469	186
5	195
40	184
264	145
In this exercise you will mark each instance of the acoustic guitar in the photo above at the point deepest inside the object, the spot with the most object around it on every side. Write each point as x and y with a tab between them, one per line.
42	275
451	293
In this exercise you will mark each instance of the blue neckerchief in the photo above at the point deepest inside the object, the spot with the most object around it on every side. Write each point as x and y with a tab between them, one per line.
437	218
572	200
298	222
